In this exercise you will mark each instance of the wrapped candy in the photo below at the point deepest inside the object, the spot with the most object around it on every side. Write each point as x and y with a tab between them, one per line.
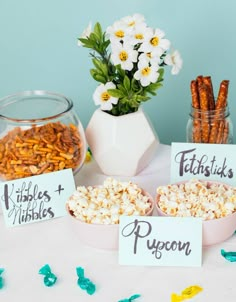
230	256
187	293
1	278
49	278
132	298
85	283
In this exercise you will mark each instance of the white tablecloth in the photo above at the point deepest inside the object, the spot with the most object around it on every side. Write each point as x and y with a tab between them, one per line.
25	249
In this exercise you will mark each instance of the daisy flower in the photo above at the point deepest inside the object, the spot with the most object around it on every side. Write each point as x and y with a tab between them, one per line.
150	58
139	34
175	61
146	73
133	21
86	33
124	54
155	43
103	98
118	31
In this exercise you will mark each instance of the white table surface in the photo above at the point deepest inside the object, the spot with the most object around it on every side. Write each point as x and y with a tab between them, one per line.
25	249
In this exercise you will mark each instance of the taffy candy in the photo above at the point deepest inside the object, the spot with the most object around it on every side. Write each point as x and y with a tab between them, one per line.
187	293
230	256
1	278
85	283
130	299
49	278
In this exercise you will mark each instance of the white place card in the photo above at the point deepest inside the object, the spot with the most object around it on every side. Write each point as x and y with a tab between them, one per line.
36	198
203	161
160	241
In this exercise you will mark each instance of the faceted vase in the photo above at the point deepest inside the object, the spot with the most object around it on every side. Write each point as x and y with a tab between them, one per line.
121	145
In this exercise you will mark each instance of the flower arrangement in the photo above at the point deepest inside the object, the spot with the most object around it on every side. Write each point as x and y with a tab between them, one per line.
129	60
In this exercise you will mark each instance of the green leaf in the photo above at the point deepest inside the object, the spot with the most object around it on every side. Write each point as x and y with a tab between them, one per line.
120	71
161	74
100	66
93	38
116	93
153	86
97	76
86	42
126	83
122	88
98	31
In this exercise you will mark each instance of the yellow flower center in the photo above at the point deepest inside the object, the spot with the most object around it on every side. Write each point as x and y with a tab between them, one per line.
154	41
123	56
139	36
132	23
146	71
105	96
120	33
149	55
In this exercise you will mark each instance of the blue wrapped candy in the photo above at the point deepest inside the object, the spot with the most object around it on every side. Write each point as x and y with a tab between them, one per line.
130	299
1	278
49	278
230	256
85	283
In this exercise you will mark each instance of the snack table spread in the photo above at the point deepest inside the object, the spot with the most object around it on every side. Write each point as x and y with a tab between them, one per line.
25	249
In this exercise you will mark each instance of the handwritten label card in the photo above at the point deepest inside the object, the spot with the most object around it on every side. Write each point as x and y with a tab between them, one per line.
160	241
36	198
203	161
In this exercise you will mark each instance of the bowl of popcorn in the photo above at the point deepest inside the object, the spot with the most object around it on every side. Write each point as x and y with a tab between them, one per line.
95	211
214	202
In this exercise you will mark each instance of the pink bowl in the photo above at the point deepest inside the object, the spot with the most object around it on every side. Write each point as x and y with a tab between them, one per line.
101	236
213	231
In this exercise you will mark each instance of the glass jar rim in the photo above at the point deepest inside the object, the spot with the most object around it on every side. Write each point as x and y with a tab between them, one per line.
211	112
9	99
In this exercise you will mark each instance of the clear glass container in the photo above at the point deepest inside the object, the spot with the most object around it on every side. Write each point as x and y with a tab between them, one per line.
39	133
212	126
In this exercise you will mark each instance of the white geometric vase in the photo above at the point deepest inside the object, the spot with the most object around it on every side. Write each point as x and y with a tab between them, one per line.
121	145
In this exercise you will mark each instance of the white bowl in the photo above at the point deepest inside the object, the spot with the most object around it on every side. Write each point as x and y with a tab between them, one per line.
101	236
213	231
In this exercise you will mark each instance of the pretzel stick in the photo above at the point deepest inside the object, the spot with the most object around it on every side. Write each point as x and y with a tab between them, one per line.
220	105
207	81
196	135
220	133
222	95
204	105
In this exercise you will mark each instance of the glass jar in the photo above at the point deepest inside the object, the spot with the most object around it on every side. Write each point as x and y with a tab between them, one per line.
211	126
39	133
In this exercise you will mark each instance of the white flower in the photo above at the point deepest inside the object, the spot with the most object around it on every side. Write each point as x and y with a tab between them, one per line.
133	21
118	31
139	34
124	54
86	33
175	61
103	98
146	73
155	43
150	58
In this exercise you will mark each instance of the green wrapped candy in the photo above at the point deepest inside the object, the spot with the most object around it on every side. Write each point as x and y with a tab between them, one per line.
49	278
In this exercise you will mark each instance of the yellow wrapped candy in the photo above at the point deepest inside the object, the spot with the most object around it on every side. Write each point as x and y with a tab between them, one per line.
187	293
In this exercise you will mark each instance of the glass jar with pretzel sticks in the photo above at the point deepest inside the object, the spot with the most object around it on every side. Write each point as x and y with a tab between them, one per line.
39	133
212	126
209	120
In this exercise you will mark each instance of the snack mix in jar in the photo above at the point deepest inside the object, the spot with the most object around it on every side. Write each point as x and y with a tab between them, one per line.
40	133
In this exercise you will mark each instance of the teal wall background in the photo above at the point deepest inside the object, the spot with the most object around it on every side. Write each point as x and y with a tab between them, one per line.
38	50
